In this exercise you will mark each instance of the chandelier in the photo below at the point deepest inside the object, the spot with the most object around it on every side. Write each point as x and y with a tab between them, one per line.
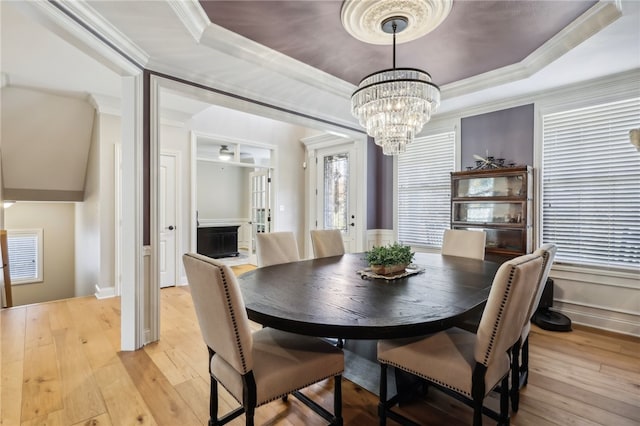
394	104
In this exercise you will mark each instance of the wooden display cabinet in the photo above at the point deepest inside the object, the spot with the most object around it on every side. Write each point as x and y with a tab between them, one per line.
497	201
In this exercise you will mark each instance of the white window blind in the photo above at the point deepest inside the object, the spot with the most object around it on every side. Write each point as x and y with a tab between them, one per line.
591	185
424	189
25	255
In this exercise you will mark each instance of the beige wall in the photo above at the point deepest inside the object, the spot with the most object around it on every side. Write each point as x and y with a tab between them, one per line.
57	222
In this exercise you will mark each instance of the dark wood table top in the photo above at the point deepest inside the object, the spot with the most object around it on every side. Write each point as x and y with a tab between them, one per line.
327	297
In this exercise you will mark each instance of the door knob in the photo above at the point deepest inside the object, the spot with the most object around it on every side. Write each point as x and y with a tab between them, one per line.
352	224
170	228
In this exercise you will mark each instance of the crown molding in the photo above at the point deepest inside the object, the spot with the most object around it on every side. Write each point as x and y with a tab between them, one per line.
104	30
192	16
105	104
204	32
611	87
589	23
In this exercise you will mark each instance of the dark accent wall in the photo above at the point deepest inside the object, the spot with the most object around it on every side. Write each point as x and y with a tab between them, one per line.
379	188
504	134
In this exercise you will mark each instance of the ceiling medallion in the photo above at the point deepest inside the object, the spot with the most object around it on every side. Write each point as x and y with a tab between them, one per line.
362	19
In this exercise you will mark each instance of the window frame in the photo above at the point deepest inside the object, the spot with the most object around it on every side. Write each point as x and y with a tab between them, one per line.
38	233
436	130
555	106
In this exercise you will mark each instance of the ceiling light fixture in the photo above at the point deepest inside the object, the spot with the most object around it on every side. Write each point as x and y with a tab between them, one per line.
394	104
225	154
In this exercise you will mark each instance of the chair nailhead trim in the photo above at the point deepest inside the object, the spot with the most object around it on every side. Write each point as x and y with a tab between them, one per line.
233	320
431	379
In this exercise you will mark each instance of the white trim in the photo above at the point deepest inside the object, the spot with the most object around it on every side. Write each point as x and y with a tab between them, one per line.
192	16
105	292
85	13
69	30
105	104
223	222
131	256
380	237
153	333
193	191
117	214
4	79
178	211
608	88
595	19
223	40
312	145
38	233
604	277
601	318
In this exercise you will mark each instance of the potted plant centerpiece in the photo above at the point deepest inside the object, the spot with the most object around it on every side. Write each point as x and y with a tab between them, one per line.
390	259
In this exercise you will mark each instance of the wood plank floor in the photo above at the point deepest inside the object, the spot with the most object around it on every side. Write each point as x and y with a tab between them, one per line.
61	365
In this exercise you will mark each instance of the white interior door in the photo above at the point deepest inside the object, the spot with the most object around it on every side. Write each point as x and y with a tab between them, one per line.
167	257
336	193
259	208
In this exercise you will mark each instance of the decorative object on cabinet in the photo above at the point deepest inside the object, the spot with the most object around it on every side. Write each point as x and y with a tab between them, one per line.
490	162
497	201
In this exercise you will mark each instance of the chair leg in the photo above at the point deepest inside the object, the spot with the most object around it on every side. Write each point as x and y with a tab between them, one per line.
477	412
524	365
250	415
337	400
515	376
504	402
382	414
213	393
213	402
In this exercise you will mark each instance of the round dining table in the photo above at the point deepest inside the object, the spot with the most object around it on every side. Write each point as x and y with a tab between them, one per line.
328	297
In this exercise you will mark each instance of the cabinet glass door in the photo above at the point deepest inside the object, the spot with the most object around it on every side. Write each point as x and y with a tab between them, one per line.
501	186
496	213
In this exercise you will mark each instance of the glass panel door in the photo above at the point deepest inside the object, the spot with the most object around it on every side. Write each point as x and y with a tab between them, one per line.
336	193
260	208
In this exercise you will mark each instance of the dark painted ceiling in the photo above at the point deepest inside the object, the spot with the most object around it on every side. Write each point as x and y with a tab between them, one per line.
478	36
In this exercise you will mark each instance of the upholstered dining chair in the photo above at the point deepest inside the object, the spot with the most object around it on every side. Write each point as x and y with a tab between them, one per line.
327	242
255	367
464	243
520	354
273	248
461	363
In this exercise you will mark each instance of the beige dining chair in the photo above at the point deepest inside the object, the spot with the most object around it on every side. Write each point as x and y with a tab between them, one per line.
327	242
273	248
467	365
255	367
520	353
464	243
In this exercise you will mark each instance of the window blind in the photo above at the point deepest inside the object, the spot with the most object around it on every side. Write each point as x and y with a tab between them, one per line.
24	256
591	185
424	189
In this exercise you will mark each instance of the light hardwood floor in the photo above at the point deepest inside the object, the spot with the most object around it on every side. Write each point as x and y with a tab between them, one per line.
61	365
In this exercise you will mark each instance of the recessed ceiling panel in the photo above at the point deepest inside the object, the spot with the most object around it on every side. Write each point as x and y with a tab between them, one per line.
476	37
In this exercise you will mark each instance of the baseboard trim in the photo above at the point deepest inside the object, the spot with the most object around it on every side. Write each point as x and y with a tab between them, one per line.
105	293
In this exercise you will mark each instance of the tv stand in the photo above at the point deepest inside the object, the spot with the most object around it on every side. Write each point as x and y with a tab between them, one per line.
218	241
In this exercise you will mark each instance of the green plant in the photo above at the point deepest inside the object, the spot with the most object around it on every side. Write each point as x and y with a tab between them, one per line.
392	254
